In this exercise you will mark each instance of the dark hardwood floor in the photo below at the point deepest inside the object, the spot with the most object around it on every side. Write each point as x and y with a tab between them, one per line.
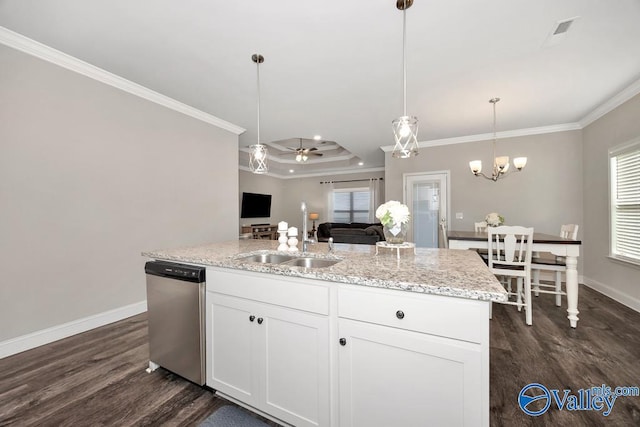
604	349
98	378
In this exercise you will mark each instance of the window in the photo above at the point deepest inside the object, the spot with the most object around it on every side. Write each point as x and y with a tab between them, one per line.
625	202
351	205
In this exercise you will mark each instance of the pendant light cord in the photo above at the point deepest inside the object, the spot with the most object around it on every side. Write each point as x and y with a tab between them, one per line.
495	162
258	74
404	60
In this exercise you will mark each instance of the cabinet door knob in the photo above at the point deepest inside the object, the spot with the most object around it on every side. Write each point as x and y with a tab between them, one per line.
252	318
260	320
400	314
343	341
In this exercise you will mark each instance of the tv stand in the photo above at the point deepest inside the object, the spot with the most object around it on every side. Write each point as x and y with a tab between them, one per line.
261	231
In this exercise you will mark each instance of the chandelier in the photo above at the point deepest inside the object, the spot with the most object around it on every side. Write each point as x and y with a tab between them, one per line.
405	128
258	152
500	163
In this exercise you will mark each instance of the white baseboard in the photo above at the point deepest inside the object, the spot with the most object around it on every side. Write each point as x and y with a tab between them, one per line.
622	298
55	333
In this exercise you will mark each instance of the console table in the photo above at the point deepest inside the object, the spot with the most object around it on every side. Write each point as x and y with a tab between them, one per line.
261	231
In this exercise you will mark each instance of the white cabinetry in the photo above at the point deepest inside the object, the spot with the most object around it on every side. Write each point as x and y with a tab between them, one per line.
412	360
314	353
268	344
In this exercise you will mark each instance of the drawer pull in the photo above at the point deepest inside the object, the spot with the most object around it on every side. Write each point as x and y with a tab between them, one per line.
343	341
252	318
260	320
400	314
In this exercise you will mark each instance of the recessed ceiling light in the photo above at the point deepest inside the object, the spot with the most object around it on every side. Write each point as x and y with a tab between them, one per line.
317	137
360	163
291	171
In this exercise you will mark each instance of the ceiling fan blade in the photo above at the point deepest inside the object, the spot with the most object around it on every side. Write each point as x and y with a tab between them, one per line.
312	149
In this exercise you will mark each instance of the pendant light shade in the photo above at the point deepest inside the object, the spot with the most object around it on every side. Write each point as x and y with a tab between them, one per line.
405	128
405	133
258	152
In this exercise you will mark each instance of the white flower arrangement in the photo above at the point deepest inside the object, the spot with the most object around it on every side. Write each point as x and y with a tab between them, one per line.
393	212
494	219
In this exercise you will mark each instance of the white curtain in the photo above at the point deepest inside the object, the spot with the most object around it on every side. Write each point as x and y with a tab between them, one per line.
374	198
328	197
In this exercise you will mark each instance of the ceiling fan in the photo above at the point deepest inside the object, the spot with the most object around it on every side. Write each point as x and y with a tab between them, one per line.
302	154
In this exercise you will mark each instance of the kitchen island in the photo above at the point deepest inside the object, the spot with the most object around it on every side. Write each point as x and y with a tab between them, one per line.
370	340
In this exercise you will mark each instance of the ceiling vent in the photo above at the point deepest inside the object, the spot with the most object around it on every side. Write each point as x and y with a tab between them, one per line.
559	32
563	27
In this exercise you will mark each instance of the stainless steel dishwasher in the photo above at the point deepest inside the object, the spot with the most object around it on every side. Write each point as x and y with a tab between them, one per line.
175	309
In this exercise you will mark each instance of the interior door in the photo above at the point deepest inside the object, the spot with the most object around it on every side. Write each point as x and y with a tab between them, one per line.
426	195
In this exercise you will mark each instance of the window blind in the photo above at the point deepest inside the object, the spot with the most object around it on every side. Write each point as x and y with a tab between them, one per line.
625	215
351	206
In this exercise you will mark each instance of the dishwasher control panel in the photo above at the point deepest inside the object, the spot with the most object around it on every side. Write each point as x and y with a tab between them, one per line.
175	271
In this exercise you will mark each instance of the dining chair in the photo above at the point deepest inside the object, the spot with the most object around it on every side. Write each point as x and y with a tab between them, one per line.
443	231
550	262
480	226
509	251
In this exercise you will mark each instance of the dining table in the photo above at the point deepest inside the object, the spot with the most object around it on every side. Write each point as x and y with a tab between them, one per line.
559	246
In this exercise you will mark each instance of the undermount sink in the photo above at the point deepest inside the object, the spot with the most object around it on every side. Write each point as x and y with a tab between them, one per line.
290	260
308	262
268	258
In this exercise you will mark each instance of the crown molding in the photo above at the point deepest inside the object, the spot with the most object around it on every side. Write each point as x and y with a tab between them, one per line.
293	161
499	135
620	98
318	146
49	54
320	173
623	96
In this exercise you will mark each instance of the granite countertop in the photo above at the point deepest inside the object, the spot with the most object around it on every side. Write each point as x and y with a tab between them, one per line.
448	272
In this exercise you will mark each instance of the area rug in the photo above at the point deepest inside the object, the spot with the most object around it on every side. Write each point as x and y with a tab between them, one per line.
231	416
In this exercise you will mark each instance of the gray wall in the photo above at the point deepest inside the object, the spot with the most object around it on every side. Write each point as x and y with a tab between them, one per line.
312	192
262	184
545	195
90	176
618	280
289	193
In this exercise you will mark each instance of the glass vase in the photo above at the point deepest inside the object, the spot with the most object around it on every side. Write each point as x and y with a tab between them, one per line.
395	233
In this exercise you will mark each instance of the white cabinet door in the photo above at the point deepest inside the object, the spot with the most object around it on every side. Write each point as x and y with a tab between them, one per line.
295	365
231	347
272	358
394	377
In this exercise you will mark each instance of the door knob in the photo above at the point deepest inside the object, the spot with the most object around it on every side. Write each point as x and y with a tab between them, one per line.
260	320
400	314
343	341
252	318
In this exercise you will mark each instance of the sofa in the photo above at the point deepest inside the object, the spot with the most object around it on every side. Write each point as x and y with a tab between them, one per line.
355	232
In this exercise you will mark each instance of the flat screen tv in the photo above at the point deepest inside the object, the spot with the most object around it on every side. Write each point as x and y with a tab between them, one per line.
255	205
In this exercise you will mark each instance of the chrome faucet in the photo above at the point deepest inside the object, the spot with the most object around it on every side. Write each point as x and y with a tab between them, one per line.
305	234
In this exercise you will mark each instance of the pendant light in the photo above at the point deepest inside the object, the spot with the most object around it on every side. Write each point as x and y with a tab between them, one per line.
501	163
405	128
258	152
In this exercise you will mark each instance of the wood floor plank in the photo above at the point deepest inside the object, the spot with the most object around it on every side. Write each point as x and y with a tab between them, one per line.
98	378
603	349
